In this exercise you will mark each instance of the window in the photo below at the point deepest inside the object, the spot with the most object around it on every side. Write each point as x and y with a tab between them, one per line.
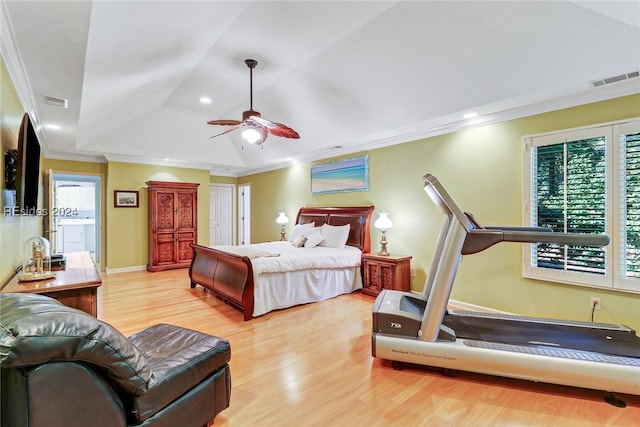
585	181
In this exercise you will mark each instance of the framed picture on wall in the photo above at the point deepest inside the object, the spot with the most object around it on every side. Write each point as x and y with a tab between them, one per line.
125	199
341	176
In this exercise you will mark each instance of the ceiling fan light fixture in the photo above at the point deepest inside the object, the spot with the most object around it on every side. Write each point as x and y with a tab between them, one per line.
251	135
256	128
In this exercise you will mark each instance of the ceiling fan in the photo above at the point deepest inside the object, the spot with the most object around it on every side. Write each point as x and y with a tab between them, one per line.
257	128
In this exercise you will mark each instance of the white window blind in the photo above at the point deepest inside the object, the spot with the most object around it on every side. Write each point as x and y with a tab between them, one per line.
630	204
585	181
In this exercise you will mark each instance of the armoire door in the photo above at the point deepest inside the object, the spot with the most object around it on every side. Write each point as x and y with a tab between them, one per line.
164	225
173	223
185	225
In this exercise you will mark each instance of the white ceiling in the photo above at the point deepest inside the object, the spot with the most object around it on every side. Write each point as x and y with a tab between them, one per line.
346	75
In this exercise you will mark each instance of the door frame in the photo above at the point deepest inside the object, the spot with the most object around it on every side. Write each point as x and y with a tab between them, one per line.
233	209
244	213
98	178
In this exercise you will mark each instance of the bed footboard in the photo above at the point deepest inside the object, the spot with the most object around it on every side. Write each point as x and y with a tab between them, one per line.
228	276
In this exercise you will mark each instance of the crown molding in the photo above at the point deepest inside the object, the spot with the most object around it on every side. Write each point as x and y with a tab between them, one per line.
155	162
17	71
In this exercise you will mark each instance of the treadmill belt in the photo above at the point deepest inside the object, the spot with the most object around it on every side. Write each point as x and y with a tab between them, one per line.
518	332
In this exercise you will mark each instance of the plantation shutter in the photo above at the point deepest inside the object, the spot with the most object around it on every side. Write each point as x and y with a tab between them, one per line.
630	201
570	196
585	180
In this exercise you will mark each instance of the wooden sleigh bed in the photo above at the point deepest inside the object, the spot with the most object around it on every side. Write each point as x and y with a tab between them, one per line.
231	276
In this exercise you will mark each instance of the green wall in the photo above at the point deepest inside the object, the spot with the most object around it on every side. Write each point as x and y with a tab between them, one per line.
127	228
482	169
14	230
222	179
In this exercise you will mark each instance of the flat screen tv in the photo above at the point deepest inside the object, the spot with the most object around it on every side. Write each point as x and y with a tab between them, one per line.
28	168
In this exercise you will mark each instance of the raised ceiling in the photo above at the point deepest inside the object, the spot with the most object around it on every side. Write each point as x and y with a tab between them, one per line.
346	75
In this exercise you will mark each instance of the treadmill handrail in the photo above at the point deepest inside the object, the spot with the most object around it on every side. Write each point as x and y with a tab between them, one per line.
478	240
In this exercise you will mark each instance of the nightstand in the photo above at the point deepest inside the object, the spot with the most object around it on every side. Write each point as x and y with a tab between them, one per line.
386	272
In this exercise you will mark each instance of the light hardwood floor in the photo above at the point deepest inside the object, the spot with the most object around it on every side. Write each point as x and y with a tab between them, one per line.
311	366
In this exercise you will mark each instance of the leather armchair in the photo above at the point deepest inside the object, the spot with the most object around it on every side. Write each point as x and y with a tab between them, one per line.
62	367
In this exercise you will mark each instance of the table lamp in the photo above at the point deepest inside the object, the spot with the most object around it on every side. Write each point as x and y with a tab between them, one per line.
282	220
383	223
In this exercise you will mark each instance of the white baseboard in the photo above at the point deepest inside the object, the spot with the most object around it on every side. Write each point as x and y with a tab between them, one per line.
454	304
460	305
125	269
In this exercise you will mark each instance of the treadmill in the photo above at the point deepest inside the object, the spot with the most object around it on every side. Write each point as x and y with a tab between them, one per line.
418	328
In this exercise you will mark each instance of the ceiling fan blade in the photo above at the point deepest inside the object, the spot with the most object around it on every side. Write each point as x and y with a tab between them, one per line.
228	130
277	129
284	131
224	122
262	122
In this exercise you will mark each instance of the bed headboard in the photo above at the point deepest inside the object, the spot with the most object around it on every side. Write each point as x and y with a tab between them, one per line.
359	217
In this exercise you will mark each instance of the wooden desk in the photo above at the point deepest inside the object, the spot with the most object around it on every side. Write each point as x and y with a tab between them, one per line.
75	286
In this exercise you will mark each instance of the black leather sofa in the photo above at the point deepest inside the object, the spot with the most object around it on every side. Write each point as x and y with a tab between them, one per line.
62	367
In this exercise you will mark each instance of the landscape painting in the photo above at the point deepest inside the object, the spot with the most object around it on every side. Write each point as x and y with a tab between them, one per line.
341	176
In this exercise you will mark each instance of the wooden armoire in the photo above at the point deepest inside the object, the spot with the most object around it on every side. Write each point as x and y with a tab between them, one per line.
173	224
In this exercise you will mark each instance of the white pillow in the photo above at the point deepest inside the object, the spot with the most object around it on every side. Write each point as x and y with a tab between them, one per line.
299	241
335	236
313	240
301	230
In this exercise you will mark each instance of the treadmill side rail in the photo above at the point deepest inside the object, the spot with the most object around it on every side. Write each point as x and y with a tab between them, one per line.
611	377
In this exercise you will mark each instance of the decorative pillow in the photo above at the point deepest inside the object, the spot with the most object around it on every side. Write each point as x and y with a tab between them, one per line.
299	241
313	240
335	236
301	230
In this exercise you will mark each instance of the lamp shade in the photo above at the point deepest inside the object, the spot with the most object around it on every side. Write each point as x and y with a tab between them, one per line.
282	218
251	135
383	223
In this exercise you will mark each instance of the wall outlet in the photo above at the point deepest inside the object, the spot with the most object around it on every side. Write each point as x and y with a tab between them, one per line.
596	301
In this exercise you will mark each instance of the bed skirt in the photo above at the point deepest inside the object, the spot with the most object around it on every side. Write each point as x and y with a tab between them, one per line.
274	291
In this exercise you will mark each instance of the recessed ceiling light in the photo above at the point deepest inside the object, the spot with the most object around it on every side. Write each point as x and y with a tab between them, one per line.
205	100
53	127
470	115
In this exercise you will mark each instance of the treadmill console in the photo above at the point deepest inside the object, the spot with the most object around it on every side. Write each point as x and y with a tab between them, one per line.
398	313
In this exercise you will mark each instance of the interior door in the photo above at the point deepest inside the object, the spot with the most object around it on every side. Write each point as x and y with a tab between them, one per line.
221	214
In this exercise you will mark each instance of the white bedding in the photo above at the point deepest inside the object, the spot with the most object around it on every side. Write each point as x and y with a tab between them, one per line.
301	275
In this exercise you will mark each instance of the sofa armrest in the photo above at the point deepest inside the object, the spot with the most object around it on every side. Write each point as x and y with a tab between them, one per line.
32	397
